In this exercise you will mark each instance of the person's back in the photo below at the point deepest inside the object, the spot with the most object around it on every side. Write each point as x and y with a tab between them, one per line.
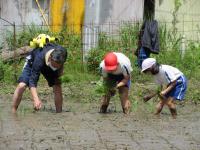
123	60
167	74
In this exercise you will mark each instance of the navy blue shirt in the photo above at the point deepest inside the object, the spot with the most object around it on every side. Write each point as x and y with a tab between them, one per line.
38	65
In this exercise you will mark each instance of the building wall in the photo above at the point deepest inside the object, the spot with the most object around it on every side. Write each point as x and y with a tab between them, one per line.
67	13
23	12
108	16
20	12
121	10
71	13
113	11
188	16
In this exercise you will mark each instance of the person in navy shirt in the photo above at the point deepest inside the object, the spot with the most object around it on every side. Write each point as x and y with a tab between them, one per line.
48	61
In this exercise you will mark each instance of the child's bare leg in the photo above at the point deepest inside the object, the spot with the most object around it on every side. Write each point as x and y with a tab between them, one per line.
126	104
172	107
105	102
159	107
18	96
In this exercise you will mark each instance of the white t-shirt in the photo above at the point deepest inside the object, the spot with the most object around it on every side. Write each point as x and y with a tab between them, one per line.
167	74
124	66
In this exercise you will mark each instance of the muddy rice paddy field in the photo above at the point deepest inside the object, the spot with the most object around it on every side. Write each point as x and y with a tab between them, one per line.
86	129
81	127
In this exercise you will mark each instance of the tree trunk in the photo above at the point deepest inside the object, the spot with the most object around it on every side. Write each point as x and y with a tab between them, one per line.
7	55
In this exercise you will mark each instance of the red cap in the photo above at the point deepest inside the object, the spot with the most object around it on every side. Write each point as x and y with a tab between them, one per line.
110	61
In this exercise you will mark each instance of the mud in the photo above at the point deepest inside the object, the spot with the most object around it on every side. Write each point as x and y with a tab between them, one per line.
81	127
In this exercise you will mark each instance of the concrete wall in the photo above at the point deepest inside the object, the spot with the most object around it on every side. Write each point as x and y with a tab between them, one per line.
121	10
107	16
57	12
188	16
67	13
23	11
104	11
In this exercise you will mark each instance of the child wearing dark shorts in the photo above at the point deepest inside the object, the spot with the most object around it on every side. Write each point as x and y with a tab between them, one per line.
48	61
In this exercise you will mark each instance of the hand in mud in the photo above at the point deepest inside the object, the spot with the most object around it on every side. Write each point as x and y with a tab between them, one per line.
37	105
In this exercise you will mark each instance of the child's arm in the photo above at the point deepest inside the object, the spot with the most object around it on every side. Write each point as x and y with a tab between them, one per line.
168	89
153	94
36	101
124	81
149	96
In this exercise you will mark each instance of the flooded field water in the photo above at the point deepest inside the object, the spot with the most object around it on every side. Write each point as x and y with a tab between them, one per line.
83	128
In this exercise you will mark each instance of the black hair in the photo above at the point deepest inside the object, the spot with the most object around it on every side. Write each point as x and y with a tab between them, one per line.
59	55
155	68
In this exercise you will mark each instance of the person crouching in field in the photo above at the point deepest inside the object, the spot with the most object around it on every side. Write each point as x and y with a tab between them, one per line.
172	78
49	61
116	71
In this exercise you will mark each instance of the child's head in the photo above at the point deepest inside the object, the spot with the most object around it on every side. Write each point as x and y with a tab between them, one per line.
111	62
58	57
150	65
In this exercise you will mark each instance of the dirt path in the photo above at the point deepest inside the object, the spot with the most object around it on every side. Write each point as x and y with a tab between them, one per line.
83	128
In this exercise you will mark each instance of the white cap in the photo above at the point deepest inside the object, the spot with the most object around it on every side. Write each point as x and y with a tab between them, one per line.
148	63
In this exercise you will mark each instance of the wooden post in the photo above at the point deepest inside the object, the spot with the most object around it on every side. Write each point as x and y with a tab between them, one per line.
14	49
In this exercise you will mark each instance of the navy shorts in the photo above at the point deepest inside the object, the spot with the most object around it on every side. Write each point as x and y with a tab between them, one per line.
178	92
26	73
51	76
143	54
114	79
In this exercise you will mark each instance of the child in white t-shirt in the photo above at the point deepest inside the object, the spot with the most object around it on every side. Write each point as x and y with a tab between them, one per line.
172	78
116	71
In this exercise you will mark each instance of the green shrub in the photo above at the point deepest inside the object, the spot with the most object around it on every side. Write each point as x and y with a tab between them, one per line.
129	35
8	73
94	59
25	35
167	39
